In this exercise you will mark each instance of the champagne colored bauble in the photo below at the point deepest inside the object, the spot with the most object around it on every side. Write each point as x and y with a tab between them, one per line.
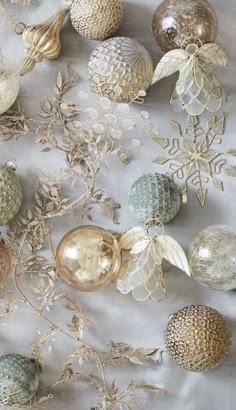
197	338
9	86
119	69
154	197
212	257
96	19
19	379
88	258
5	260
176	20
11	195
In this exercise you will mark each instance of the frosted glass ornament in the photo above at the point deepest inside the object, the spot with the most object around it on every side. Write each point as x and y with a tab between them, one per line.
9	85
212	257
19	379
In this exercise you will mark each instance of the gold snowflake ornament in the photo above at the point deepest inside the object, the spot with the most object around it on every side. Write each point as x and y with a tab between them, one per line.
142	272
197	88
192	155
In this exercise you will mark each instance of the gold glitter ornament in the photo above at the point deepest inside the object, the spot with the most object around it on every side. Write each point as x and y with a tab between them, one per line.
88	258
5	260
9	85
197	338
96	19
10	193
42	41
120	69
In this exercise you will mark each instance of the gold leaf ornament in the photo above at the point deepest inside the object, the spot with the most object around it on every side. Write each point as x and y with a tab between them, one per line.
141	272
197	88
42	41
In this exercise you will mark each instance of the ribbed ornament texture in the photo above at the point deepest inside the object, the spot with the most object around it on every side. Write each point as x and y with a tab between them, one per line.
19	379
153	196
96	19
197	338
120	68
10	194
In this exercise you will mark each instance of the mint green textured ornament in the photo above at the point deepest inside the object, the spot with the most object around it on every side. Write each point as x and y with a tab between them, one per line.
19	379
154	197
10	193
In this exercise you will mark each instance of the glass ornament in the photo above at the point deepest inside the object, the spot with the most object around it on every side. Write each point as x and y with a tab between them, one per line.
154	197
5	260
197	338
212	257
96	19
9	85
88	258
19	379
119	69
175	20
11	194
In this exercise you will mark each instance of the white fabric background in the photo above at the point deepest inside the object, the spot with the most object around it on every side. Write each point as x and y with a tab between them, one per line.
116	316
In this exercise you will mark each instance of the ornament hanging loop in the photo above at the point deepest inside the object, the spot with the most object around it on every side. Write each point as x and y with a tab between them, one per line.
19	28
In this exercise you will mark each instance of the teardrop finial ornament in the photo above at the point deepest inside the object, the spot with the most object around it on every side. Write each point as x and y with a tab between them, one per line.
42	41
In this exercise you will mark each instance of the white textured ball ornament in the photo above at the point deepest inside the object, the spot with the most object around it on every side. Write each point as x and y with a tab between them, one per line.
9	86
120	68
96	19
19	379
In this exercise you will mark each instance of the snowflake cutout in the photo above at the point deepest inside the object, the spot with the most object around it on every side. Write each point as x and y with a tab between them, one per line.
193	158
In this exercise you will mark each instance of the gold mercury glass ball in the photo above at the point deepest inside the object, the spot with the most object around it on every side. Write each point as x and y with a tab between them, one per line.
88	258
119	69
197	338
96	19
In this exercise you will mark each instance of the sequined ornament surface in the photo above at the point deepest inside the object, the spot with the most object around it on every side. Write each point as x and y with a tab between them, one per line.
197	338
5	260
212	257
42	41
174	20
119	69
154	196
88	258
10	193
96	19
19	379
197	88
9	85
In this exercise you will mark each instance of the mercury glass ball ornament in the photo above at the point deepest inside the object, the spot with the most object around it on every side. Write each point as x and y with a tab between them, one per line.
88	258
119	69
197	338
11	195
9	85
5	260
176	20
19	379
212	257
154	197
96	19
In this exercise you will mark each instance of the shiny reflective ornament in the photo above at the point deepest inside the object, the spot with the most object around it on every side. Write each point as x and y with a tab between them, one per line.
42	41
11	194
19	379
142	272
96	19
120	69
197	338
212	257
154	197
88	258
5	260
9	85
175	20
197	88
